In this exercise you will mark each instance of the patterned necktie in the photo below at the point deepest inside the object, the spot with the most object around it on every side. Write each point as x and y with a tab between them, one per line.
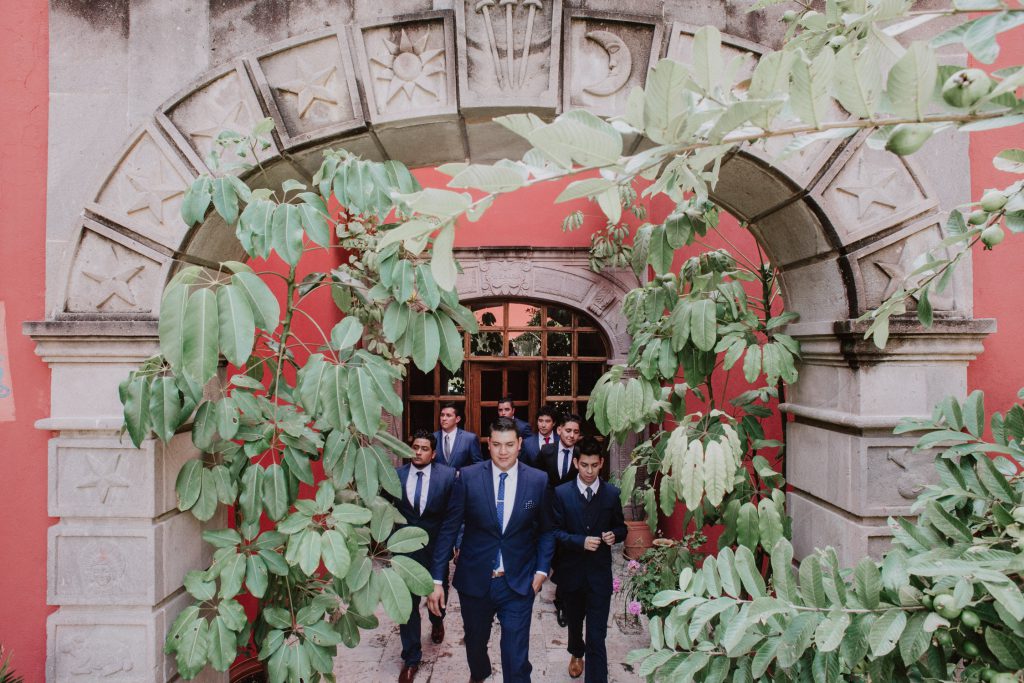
590	494
565	461
419	493
501	512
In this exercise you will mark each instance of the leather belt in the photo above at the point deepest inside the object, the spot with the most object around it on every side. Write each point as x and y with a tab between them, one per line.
497	574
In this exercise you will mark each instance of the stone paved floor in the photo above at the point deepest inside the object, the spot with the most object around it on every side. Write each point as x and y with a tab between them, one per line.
376	659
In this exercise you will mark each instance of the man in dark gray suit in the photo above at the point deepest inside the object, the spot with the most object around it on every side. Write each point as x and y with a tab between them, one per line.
507	408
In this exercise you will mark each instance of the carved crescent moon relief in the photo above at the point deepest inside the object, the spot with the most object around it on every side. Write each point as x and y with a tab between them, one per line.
620	64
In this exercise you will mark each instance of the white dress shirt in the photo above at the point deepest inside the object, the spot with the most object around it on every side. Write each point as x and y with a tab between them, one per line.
510	497
583	487
563	456
410	486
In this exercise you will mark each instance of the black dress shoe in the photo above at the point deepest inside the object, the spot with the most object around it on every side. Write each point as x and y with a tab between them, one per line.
437	633
560	617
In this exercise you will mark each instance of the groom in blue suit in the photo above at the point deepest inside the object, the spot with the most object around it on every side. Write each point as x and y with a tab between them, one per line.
455	446
506	553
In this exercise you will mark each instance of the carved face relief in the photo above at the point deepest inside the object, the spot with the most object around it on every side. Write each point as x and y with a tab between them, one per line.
103	567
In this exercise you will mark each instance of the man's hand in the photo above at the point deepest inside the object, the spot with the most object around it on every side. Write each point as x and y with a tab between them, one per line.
592	543
538	581
608	537
435	601
455	556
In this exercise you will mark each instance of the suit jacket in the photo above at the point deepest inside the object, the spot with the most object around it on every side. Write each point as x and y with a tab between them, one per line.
526	544
531	449
465	449
548	459
523	427
574	519
435	509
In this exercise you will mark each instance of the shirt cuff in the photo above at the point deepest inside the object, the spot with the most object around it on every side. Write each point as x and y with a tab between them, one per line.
540	572
438	583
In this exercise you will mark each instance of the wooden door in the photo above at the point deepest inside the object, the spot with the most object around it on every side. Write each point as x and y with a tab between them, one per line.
490	381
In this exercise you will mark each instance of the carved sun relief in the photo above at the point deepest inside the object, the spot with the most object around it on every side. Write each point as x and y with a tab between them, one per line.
408	66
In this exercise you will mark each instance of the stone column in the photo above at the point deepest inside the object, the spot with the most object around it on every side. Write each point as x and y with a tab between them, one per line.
848	471
117	557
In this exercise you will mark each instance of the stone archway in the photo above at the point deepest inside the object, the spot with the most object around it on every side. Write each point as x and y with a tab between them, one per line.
841	236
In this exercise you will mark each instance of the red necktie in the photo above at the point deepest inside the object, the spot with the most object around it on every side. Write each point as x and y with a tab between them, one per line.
547	439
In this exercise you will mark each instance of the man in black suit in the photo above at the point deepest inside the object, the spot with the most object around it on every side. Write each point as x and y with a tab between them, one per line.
557	461
427	488
507	408
588	520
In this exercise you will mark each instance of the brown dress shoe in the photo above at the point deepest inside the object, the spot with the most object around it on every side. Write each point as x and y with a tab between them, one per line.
575	667
408	673
437	633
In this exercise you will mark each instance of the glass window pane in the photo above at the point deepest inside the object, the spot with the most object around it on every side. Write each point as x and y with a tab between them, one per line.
561	407
490	385
558	317
486	415
559	343
523	315
486	344
559	379
420	383
524	344
421	416
585	321
519	389
453	384
489	315
590	344
587	376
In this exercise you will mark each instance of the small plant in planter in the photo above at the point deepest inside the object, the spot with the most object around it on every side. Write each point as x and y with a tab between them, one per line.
658	570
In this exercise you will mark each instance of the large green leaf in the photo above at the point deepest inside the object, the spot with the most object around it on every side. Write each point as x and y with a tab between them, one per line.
206	505
812	79
367	482
770	525
394	594
426	341
134	395
415	575
868	583
442	260
912	81
885	632
407	540
223	645
275	492
172	324
200	331
703	324
578	136
225	201
334	397
364	403
335	553
747	526
707	58
858	80
264	305
189	483
164	407
664	96
256	576
237	324
830	632
192	648
286	236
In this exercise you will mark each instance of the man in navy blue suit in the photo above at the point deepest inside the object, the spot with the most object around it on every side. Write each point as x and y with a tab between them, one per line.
588	520
507	408
456	447
545	435
427	488
506	553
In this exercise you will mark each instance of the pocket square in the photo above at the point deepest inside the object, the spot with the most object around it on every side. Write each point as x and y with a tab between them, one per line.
529	505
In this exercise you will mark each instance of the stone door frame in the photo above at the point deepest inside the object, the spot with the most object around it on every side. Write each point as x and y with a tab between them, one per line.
841	237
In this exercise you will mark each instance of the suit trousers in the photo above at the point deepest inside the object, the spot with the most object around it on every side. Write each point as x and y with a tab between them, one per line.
411	631
586	604
514	612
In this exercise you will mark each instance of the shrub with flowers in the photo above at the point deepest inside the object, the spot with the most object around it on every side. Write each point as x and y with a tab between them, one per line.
657	570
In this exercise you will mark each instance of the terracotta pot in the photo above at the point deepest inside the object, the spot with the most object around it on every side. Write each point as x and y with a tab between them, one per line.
639	538
249	670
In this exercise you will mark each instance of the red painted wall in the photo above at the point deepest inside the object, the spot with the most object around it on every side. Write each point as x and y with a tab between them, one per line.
23	520
528	218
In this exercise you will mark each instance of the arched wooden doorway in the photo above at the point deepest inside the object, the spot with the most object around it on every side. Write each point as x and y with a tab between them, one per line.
540	353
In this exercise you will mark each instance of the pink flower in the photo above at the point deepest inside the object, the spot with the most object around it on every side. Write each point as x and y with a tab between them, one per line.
616	585
634	608
633	566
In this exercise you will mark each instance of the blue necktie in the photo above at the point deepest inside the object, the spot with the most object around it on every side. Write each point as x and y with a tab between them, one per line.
501	512
565	463
419	492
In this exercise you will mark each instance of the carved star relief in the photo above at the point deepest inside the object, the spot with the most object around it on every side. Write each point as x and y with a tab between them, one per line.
899	276
116	284
311	86
226	118
104	476
869	191
152	192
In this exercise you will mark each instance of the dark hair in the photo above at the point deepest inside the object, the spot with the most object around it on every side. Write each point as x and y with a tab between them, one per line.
454	406
549	411
424	434
588	445
503	424
507	399
570	417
